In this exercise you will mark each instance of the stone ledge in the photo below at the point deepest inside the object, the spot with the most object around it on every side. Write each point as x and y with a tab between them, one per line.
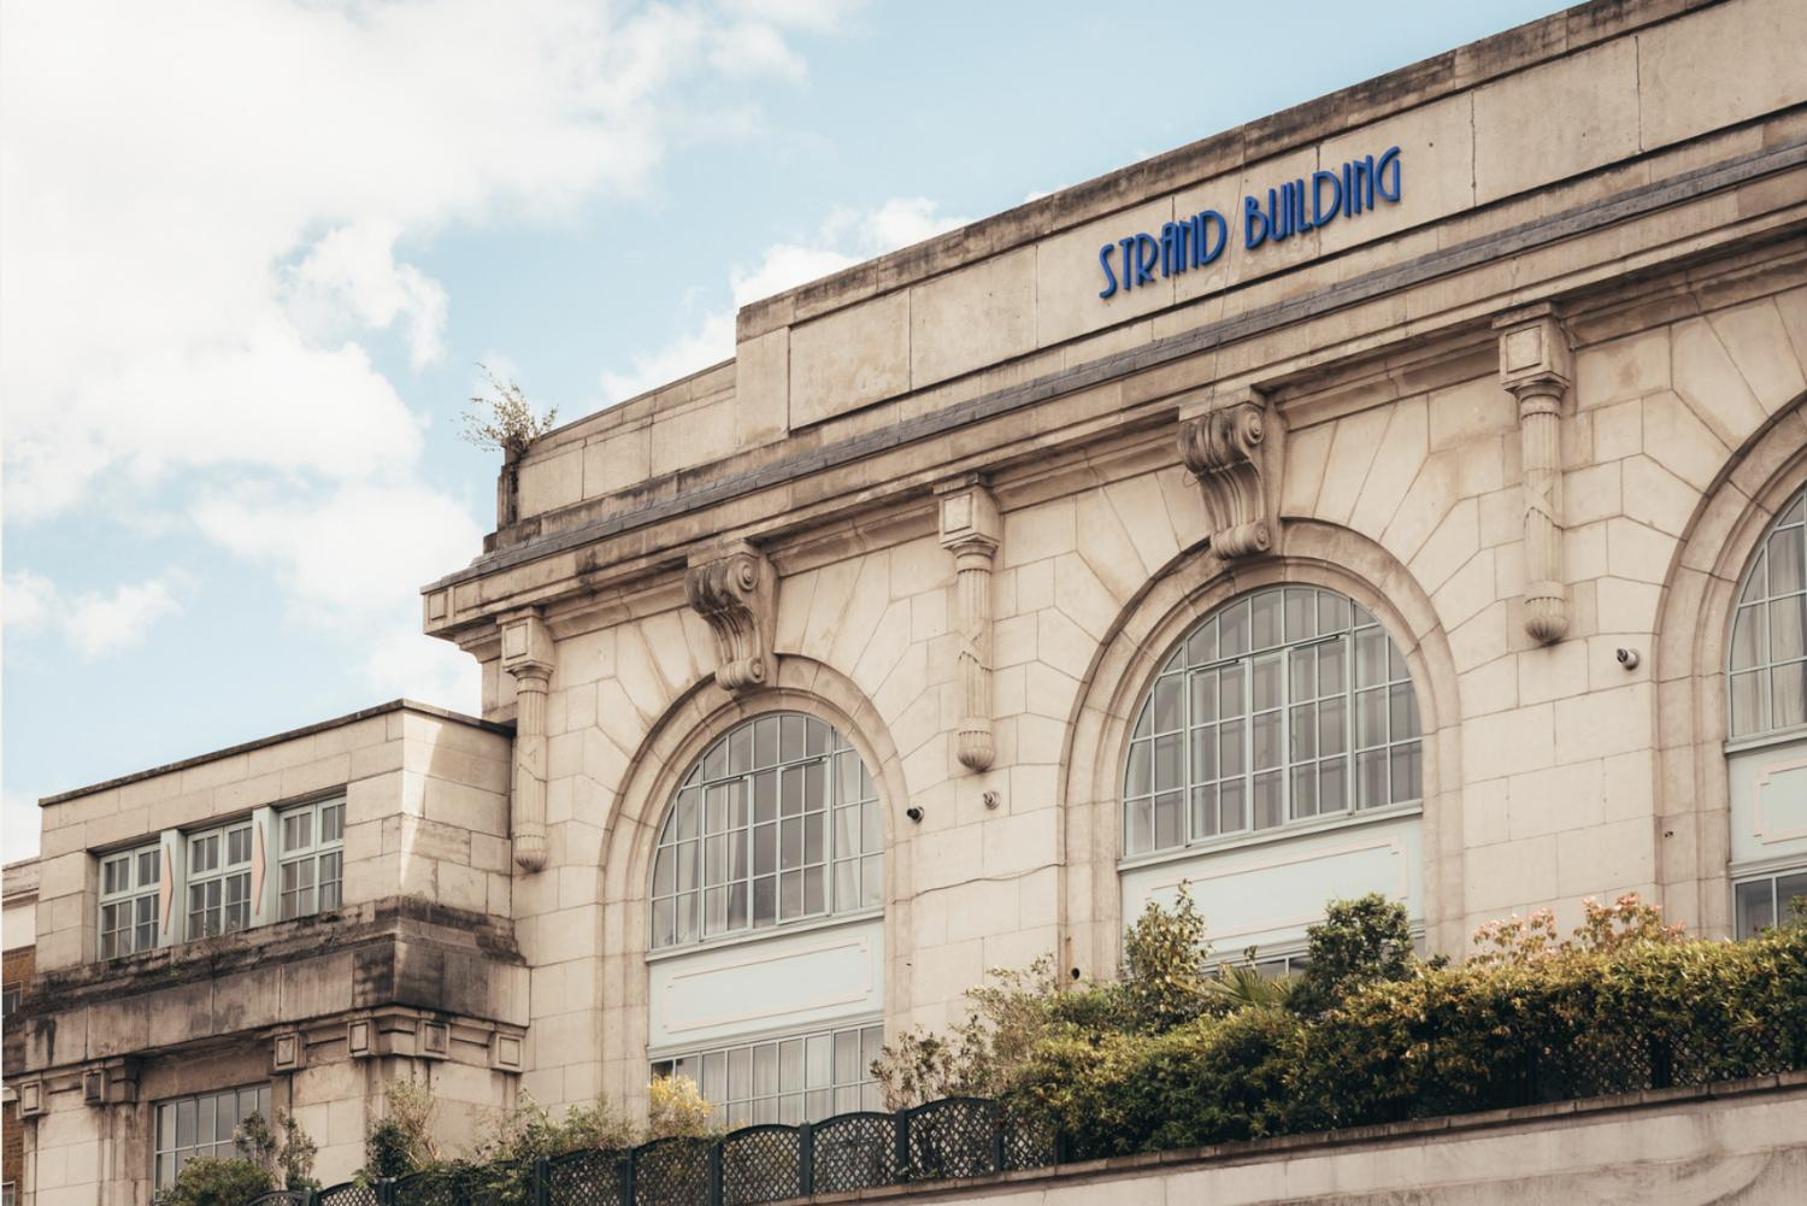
1793	1084
401	951
689	490
394	705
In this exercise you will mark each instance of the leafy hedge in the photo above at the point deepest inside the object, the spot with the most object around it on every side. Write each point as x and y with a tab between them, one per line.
1434	1040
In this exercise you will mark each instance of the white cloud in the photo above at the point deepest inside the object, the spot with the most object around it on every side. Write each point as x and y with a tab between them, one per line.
28	602
844	239
94	623
347	555
99	624
207	213
201	203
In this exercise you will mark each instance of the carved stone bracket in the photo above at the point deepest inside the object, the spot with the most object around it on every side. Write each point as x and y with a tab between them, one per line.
527	655
1233	449
971	530
1534	368
736	592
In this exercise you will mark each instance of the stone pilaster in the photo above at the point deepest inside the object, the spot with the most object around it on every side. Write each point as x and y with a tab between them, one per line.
971	530
736	591
1534	368
527	654
1233	449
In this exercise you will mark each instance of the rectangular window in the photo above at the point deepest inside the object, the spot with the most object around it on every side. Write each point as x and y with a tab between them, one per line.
203	1125
804	1078
219	880
1763	903
313	858
9	1001
128	900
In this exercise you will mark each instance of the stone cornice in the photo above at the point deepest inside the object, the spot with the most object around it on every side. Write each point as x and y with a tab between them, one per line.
699	493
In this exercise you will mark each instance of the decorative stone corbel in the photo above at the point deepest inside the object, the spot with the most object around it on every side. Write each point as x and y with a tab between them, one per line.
736	591
1534	368
1233	449
971	531
527	654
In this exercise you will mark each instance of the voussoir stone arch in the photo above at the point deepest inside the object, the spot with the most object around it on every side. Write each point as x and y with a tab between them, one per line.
673	743
1174	600
1688	660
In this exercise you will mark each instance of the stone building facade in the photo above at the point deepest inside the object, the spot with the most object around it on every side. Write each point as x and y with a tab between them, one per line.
1403	493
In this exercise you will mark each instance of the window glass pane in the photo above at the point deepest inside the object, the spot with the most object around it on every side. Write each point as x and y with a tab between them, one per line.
1265	684
1233	630
1748	699
1169	757
1167	821
1265	619
1755	907
1788	696
1167	703
1232	809
1785	629
1269	800
150	868
1748	638
1371	779
1790	888
1785	562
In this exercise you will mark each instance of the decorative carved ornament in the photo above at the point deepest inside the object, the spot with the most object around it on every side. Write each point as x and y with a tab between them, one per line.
736	593
529	656
1534	368
1232	452
971	530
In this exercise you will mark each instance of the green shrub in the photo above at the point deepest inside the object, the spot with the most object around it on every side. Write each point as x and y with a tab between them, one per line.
1359	942
206	1181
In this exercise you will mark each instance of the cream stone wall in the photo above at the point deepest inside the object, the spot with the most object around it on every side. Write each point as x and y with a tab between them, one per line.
1649	225
426	816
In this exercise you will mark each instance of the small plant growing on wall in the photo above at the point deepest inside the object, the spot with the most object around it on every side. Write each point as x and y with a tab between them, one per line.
503	418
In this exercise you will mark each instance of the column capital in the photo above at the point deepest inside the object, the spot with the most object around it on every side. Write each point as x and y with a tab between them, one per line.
1534	354
527	645
970	523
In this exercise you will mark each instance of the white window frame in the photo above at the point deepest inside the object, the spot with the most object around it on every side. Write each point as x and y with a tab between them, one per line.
168	1155
132	891
733	858
1764	696
1160	818
722	1070
1778	907
225	871
310	860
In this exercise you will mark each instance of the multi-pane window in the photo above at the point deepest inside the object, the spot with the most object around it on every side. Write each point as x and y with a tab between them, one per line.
313	858
802	1079
1286	705
203	1125
129	882
777	822
1768	662
219	880
1762	903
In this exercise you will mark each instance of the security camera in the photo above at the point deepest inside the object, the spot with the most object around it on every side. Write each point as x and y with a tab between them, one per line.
914	812
1628	658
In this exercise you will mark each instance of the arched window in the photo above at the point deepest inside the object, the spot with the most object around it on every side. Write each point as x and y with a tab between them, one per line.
1768	661
777	822
1283	706
1766	761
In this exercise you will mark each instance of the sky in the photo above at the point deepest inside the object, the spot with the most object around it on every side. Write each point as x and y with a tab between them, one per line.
253	254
